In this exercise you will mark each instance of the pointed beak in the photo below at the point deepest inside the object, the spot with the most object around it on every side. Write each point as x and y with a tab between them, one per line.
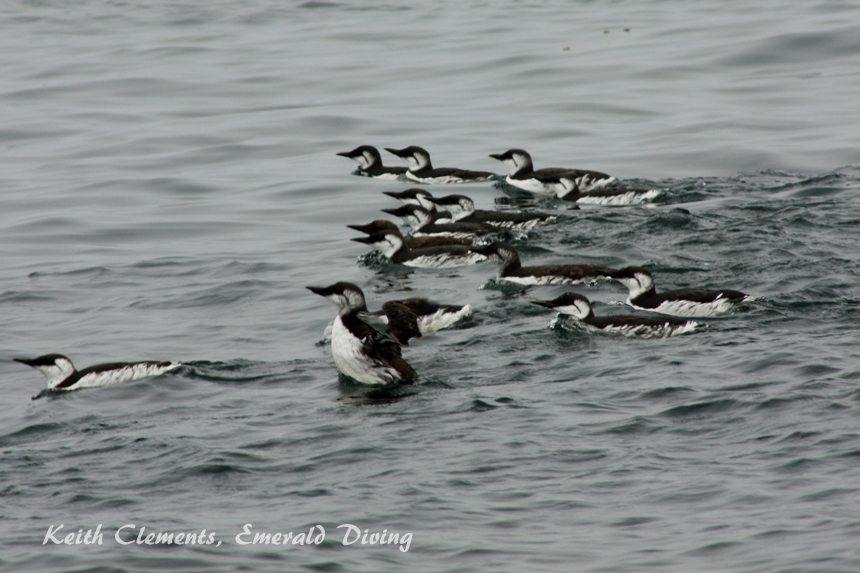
359	228
394	194
317	290
545	303
27	361
394	212
347	154
397	152
497	156
365	240
481	250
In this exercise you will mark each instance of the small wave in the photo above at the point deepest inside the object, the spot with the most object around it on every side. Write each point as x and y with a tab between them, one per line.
30	433
701	409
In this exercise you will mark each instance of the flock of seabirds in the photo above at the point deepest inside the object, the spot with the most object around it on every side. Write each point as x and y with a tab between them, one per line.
449	232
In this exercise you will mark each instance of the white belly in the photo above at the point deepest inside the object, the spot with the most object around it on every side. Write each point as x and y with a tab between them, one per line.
386	176
587	183
629	198
441	319
690	308
532	186
444	179
549	280
445	261
347	352
653	331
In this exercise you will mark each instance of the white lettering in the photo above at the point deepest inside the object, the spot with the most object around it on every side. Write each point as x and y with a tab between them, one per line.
350	528
407	539
320	536
119	539
246	530
166	538
262	538
50	535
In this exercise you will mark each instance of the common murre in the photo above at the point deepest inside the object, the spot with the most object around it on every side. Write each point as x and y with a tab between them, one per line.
462	210
421	169
360	348
62	375
550	180
420	197
366	346
370	163
510	269
419	220
440	257
384	225
680	302
575	305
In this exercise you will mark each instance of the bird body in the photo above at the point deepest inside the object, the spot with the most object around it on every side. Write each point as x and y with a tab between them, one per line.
680	302
62	375
577	306
421	170
510	269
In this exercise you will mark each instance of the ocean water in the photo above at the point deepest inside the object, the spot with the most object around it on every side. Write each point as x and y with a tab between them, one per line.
170	186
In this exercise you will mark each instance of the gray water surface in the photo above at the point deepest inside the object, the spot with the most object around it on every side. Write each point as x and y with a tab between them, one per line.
170	186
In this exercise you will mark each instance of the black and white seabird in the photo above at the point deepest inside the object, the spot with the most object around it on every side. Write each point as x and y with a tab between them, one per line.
510	269
681	302
427	241
360	347
420	197
366	346
575	305
62	375
550	180
419	220
462	210
370	163
421	170
442	257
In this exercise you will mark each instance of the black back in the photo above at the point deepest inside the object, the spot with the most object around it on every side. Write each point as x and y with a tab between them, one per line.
378	346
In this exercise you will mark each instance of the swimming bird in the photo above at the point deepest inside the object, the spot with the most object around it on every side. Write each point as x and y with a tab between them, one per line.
421	169
420	197
366	345
440	257
462	210
385	226
360	347
550	180
575	305
62	375
419	220
679	302
510	269
370	163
